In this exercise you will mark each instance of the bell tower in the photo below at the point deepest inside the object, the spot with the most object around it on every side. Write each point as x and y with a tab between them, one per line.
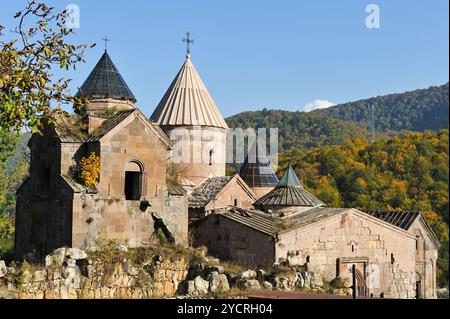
104	92
191	119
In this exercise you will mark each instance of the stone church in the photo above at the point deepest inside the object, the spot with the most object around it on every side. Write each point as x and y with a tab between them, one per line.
250	218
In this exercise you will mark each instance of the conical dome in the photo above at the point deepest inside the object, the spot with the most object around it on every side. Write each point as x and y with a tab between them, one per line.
105	81
289	192
188	102
256	170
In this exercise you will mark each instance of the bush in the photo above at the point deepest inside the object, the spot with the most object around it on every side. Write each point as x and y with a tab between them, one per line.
89	170
6	236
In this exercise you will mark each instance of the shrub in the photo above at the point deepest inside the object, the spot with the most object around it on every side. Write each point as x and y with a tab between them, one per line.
89	170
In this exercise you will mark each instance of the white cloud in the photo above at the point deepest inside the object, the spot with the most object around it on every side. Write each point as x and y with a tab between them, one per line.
317	104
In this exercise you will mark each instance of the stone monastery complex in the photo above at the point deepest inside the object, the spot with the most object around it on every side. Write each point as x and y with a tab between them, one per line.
250	218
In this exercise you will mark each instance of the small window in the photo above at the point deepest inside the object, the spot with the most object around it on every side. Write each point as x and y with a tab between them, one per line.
211	153
235	202
133	181
308	259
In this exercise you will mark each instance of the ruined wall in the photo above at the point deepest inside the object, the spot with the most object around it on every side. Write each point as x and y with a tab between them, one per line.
232	241
68	274
351	238
44	201
96	217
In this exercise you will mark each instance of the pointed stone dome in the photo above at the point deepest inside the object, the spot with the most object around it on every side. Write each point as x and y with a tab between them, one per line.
105	81
256	170
289	192
187	102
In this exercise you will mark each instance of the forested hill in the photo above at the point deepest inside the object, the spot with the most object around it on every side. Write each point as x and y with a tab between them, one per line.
298	128
419	110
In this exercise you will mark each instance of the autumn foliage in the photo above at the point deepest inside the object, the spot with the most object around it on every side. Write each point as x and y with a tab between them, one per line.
89	170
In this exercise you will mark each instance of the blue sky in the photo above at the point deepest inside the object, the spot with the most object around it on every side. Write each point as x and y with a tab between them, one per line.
275	54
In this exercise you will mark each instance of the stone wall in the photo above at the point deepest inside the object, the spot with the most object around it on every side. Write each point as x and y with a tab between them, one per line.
127	222
235	193
115	274
384	255
234	242
126	143
68	274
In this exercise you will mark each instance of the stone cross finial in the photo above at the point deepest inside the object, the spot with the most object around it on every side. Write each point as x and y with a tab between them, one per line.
106	42
188	42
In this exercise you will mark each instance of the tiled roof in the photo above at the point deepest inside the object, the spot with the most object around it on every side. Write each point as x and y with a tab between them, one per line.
397	218
105	81
188	102
256	170
207	190
108	125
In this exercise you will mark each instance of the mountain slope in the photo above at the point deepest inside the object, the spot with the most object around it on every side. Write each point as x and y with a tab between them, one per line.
419	110
298	128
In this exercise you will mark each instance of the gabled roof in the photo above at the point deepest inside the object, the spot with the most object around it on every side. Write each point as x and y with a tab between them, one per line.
275	226
105	81
289	192
397	218
256	170
109	125
188	102
404	220
70	128
207	190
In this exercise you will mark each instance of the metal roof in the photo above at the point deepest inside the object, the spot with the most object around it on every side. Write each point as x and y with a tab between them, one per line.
188	102
274	226
290	178
397	218
105	81
256	170
288	196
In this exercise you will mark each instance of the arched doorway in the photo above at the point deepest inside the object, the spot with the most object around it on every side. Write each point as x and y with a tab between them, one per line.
133	181
419	288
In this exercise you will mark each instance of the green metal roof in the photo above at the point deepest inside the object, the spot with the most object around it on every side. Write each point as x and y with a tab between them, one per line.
289	178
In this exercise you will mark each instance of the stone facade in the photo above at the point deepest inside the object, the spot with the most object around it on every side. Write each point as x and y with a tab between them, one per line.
384	255
53	210
203	155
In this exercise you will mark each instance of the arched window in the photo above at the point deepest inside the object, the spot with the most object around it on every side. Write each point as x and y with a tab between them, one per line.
133	181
